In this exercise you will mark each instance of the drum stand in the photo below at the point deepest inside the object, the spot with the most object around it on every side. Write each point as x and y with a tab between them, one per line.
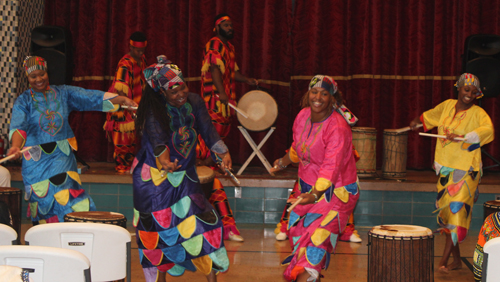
256	149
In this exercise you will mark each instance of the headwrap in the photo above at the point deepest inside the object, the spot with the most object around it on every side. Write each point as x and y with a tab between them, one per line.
33	63
220	20
138	40
324	81
330	85
469	79
163	74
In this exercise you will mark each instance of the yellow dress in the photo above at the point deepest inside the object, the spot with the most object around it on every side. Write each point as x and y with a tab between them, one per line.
458	163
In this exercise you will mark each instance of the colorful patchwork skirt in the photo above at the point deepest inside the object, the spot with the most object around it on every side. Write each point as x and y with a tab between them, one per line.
183	232
314	229
457	193
57	188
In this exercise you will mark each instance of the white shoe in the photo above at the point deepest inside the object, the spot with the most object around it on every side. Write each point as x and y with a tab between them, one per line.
235	237
355	237
281	236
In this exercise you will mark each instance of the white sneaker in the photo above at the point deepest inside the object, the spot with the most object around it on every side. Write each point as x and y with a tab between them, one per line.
281	236
355	237
235	237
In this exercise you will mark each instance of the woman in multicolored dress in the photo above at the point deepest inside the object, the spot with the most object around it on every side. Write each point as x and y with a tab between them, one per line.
176	227
40	120
328	183
458	164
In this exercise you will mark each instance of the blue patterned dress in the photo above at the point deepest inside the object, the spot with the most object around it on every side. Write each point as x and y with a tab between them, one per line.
177	228
52	183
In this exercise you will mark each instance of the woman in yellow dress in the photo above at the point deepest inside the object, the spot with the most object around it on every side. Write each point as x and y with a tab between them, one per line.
458	164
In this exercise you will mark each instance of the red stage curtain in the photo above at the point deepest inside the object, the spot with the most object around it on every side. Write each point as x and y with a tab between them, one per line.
178	29
392	59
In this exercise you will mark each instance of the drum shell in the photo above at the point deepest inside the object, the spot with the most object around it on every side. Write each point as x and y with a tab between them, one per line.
206	176
12	197
113	218
490	207
395	154
400	258
364	140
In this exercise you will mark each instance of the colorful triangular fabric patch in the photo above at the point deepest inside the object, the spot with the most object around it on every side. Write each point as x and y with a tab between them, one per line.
175	253
194	245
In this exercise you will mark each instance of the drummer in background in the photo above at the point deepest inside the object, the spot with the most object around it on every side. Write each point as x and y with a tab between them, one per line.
177	228
219	72
458	164
129	82
489	230
328	182
218	198
40	120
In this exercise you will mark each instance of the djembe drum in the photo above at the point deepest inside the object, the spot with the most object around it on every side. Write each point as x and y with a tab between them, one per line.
206	176
113	218
12	197
364	140
490	207
261	109
400	253
395	152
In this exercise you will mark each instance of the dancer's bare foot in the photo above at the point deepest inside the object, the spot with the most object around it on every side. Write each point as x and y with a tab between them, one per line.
455	265
443	269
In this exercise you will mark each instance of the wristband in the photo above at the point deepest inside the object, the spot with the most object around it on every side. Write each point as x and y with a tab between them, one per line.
315	197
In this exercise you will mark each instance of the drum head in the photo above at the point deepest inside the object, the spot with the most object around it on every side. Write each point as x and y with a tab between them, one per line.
368	130
260	108
395	132
205	174
494	204
95	215
397	230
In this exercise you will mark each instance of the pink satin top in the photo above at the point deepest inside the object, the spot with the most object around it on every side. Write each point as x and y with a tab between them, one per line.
324	149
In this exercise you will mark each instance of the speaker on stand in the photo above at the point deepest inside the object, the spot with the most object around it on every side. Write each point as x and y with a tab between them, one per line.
482	58
53	43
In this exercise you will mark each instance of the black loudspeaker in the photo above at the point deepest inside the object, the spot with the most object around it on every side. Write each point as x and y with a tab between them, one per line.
53	43
482	58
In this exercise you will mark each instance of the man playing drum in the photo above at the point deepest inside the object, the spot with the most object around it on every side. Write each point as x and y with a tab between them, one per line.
129	81
219	71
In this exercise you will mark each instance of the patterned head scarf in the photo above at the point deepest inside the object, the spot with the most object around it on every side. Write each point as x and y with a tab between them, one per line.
220	19
138	40
324	81
163	74
33	63
469	79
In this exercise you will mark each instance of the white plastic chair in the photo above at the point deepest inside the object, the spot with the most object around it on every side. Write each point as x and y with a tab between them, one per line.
491	260
8	236
47	264
106	246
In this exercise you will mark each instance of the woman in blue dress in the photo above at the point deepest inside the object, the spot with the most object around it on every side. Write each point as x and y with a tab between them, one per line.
177	228
40	121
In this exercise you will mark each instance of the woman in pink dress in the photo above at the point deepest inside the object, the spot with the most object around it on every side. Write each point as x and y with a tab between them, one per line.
328	183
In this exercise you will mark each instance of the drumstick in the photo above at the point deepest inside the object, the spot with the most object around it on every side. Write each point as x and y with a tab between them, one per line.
127	107
294	204
238	110
440	136
12	156
404	129
219	163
